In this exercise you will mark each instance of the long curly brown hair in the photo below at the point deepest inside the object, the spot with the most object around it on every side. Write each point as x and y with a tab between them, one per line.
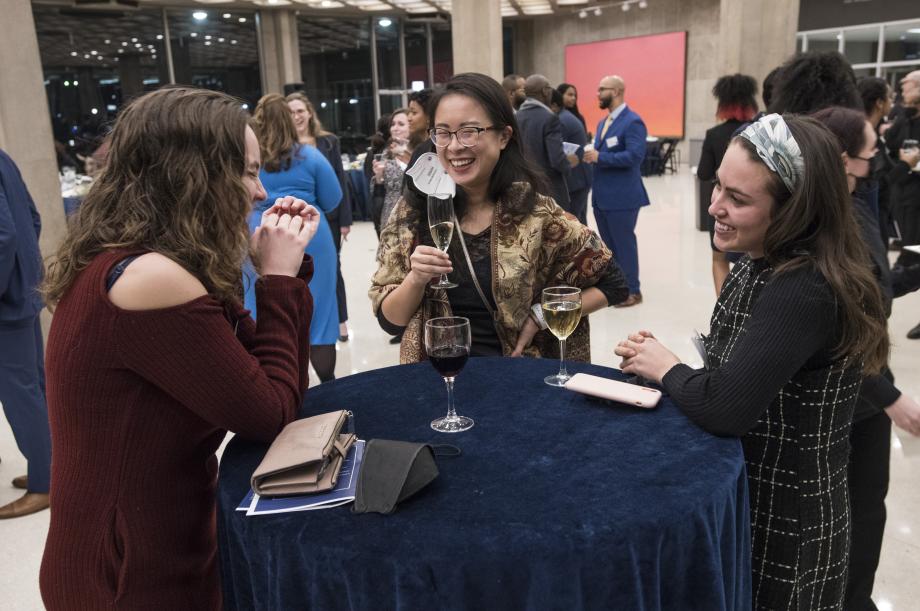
815	225
275	129
173	184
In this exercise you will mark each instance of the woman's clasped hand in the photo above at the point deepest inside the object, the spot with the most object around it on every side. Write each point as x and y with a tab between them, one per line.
286	229
645	356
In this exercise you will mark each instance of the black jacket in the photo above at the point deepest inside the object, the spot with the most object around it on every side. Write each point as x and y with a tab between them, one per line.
541	134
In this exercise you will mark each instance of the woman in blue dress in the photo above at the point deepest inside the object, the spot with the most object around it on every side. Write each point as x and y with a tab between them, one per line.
290	168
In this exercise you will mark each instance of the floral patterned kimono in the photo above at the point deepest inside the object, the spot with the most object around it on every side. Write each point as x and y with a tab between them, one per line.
547	247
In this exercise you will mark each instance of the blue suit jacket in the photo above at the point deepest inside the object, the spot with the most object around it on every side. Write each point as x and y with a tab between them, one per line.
20	260
617	173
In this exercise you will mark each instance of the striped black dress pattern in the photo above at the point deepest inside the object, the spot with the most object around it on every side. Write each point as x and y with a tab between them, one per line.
771	378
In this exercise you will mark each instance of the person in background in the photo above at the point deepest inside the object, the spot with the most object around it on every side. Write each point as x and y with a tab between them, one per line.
877	97
311	133
152	358
904	177
519	241
814	80
737	105
378	145
579	180
513	84
570	102
293	169
879	401
798	323
388	173
618	192
766	89
22	363
417	115
541	135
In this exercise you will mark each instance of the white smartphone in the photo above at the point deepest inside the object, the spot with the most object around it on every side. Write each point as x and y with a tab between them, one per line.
612	390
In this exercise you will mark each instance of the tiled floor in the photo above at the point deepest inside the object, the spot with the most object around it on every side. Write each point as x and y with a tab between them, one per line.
678	298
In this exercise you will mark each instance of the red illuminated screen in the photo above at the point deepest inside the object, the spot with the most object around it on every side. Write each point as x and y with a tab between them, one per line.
653	68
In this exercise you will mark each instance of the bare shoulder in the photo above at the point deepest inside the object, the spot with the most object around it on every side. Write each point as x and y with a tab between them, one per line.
152	282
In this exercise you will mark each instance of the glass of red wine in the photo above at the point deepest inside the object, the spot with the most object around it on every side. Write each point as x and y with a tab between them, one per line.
447	342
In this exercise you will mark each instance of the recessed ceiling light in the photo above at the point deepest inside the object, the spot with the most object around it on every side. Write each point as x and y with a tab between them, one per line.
133	40
73	53
226	15
242	20
200	15
385	23
194	34
159	37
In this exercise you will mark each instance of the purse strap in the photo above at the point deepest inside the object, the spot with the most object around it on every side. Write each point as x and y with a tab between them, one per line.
469	264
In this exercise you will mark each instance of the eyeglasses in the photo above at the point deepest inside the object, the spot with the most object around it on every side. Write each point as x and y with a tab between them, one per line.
466	136
600	89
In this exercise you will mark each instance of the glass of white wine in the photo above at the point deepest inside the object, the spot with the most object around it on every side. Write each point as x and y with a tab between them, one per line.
441	223
562	311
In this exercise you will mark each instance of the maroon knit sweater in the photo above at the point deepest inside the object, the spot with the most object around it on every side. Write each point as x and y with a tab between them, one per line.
139	401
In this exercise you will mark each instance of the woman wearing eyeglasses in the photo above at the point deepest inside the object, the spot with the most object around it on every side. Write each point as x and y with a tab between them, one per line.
519	242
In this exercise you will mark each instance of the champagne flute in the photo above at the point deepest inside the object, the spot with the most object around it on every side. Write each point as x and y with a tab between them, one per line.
562	312
447	342
441	223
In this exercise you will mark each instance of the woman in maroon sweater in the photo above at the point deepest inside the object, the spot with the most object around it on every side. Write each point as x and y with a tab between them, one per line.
151	358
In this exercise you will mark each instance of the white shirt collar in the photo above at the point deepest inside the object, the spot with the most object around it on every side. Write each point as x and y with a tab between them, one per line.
616	112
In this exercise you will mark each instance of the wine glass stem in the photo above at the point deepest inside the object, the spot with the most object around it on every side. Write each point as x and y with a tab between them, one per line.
562	372
451	412
443	279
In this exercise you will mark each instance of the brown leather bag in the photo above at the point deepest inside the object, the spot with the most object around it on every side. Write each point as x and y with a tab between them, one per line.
305	457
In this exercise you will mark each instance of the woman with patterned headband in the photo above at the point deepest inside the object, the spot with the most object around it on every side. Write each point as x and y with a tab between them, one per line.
798	322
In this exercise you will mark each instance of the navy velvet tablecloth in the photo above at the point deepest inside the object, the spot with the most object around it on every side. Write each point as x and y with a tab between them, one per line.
557	502
360	203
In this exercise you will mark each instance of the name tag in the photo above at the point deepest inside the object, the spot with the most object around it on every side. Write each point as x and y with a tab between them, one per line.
612	141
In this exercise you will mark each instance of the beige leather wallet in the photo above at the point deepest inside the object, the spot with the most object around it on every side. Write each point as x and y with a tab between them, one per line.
305	457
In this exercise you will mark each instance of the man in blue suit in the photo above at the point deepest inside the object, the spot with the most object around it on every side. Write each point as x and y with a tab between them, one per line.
22	370
619	148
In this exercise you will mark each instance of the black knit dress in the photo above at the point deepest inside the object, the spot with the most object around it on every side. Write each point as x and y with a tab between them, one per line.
771	378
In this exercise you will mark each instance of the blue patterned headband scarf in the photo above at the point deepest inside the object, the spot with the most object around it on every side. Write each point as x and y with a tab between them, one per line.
777	148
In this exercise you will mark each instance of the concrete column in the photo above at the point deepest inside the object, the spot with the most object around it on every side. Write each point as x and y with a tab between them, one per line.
755	36
25	125
476	32
279	49
129	76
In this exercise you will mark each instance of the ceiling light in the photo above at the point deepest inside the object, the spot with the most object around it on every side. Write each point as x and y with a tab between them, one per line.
643	4
194	34
94	111
582	14
200	15
207	42
133	40
107	41
226	15
625	6
73	53
207	37
75	83
86	56
232	42
221	39
242	20
124	44
159	37
913	31
385	23
66	83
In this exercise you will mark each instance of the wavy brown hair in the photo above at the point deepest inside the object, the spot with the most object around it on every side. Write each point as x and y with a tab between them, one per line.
815	225
275	129
172	184
314	124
